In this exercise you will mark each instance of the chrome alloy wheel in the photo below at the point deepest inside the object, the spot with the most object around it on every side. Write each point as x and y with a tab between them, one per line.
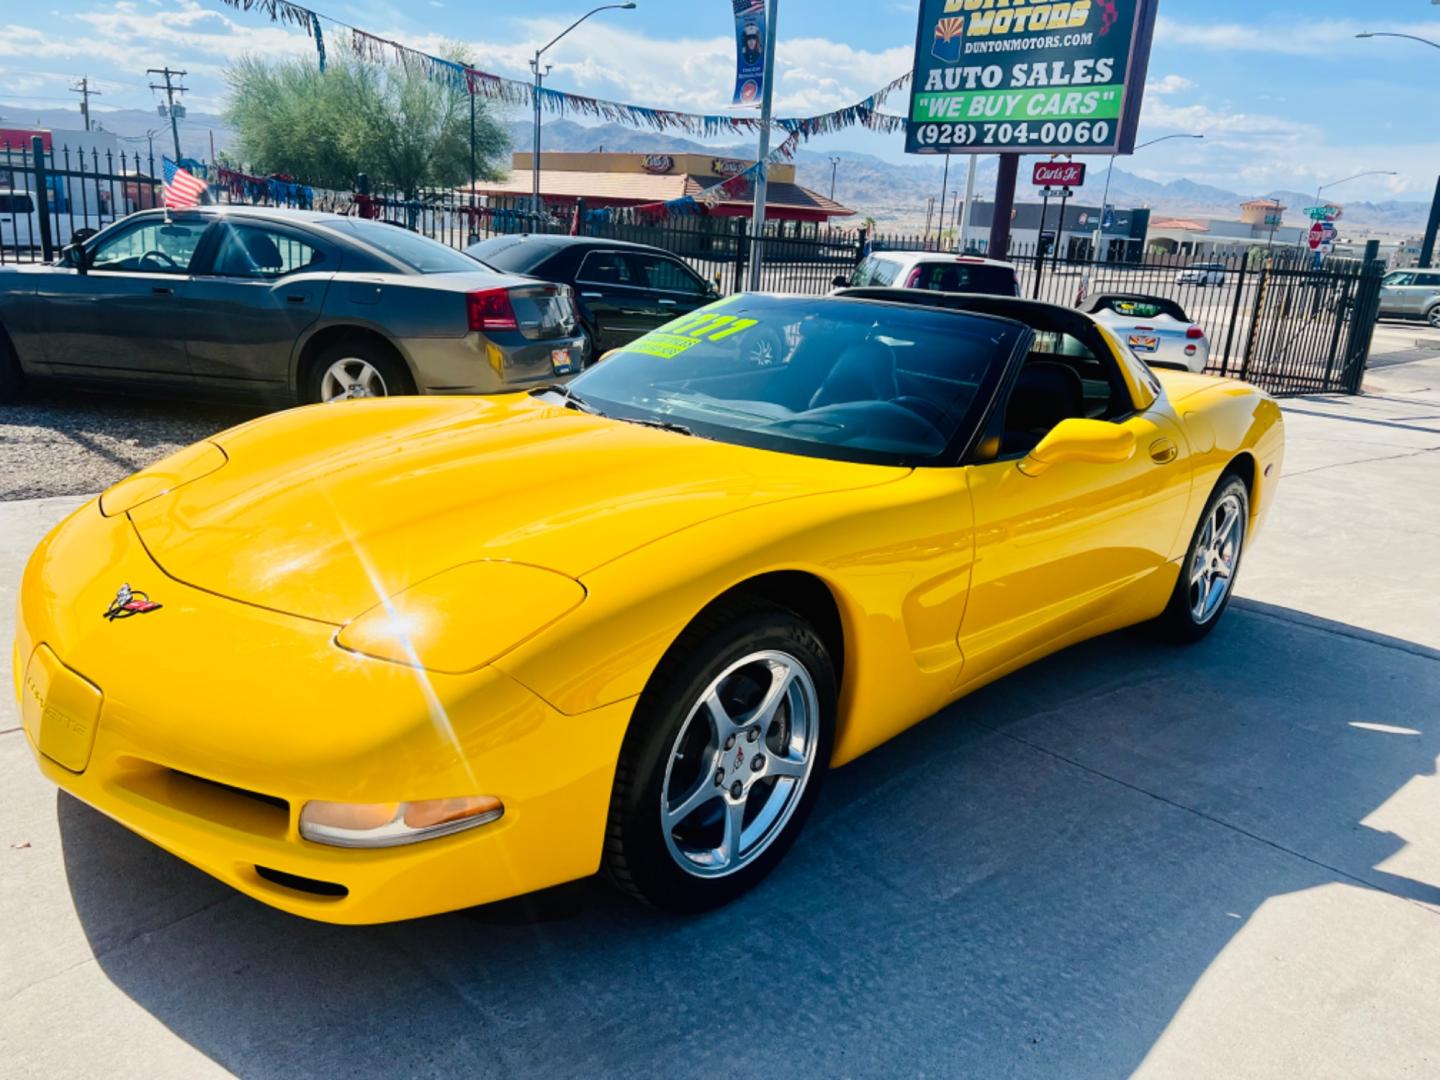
739	765
1216	558
351	377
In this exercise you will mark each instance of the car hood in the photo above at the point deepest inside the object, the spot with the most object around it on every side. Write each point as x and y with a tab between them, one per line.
323	511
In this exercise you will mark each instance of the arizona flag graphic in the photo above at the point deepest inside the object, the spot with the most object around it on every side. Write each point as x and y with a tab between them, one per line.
949	39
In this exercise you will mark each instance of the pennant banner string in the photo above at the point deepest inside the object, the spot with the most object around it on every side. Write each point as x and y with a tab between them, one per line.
369	48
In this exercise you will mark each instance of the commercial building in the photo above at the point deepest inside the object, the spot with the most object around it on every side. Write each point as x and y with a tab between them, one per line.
617	179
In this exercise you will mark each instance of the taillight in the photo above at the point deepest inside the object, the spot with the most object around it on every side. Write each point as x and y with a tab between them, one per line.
1194	333
913	279
490	309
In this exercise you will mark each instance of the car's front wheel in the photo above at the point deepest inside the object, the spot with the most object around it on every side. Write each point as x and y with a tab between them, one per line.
357	369
1433	316
1207	576
724	758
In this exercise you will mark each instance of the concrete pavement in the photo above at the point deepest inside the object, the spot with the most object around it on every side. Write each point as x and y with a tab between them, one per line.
1131	858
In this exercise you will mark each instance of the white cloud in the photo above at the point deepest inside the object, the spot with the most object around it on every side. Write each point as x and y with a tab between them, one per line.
1169	84
1294	36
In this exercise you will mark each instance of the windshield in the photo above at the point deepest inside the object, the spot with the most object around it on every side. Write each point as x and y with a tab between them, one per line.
415	251
852	380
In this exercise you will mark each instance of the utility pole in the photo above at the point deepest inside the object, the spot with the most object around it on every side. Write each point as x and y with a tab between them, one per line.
762	178
940	221
170	91
83	89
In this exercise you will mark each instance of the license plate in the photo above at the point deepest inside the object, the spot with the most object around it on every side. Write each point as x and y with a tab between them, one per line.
1144	342
561	361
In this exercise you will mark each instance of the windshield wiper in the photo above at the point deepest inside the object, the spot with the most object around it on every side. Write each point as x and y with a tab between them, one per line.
572	399
662	425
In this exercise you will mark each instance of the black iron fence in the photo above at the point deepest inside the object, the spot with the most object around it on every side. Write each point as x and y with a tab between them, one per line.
1271	316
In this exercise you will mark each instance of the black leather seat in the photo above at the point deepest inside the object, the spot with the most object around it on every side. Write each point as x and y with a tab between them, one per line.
248	252
1045	393
864	372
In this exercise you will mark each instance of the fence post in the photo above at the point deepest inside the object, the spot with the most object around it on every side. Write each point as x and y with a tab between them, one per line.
42	196
1253	338
1363	317
1234	314
742	256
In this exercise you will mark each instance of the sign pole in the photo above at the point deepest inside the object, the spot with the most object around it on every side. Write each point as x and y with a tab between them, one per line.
963	234
944	189
1427	247
762	178
1040	245
1004	206
1059	230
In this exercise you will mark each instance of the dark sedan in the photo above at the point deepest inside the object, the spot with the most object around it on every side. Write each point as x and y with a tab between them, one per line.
624	290
280	304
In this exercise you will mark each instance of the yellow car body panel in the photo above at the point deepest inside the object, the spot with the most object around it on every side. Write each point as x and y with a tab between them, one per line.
259	684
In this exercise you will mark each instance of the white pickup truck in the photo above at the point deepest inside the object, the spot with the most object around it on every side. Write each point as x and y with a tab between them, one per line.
20	223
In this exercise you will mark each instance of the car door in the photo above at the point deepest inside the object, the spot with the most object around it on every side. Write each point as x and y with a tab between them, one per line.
264	284
1426	291
121	316
613	298
1072	543
1395	292
674	289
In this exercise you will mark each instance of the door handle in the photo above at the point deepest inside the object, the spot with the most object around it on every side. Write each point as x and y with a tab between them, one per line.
667	303
297	299
162	290
1163	451
592	296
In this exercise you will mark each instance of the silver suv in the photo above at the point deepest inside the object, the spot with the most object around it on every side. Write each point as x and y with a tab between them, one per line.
1411	294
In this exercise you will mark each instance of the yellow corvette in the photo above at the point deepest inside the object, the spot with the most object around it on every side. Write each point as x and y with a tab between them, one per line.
386	658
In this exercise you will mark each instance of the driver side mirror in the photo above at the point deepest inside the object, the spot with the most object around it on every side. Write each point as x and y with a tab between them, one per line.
73	254
841	281
1096	442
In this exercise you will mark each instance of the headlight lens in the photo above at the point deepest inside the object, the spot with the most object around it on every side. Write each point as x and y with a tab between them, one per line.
389	824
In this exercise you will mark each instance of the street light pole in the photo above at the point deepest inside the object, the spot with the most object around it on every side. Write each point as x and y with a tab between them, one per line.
535	91
762	178
1408	37
834	164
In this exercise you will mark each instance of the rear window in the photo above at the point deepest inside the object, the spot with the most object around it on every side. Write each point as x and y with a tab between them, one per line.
15	203
1140	307
963	277
874	270
419	253
510	253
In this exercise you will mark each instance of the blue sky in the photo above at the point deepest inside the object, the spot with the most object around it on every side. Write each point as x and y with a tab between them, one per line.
1284	93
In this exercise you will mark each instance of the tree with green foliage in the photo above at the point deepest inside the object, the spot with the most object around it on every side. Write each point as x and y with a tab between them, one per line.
403	130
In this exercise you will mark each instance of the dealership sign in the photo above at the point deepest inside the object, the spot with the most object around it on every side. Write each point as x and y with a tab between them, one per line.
1065	174
1036	77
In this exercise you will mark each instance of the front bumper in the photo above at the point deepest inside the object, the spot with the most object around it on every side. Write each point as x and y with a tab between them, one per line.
215	721
487	364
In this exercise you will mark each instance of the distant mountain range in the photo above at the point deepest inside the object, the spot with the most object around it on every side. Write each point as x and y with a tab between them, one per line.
895	195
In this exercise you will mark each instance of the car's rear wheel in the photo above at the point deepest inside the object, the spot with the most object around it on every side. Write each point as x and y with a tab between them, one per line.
724	758
357	369
1207	576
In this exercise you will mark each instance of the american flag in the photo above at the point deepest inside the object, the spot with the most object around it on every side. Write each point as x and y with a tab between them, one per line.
182	190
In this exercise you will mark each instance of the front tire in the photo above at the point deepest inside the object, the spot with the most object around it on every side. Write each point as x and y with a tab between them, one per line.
724	758
1433	316
1212	561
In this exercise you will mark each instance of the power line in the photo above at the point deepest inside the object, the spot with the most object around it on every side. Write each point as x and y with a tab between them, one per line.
83	89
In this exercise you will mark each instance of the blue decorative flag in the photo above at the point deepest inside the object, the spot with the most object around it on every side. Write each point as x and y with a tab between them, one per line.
749	51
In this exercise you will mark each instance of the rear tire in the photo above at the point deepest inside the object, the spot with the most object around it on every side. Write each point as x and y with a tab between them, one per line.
357	368
1212	562
724	758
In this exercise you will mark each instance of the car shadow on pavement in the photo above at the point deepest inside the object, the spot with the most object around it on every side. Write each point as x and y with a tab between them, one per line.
1032	881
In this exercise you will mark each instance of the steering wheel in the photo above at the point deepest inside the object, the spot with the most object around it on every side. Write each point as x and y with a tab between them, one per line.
926	408
159	257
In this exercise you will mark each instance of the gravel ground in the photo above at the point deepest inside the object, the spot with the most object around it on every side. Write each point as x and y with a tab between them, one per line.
68	443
